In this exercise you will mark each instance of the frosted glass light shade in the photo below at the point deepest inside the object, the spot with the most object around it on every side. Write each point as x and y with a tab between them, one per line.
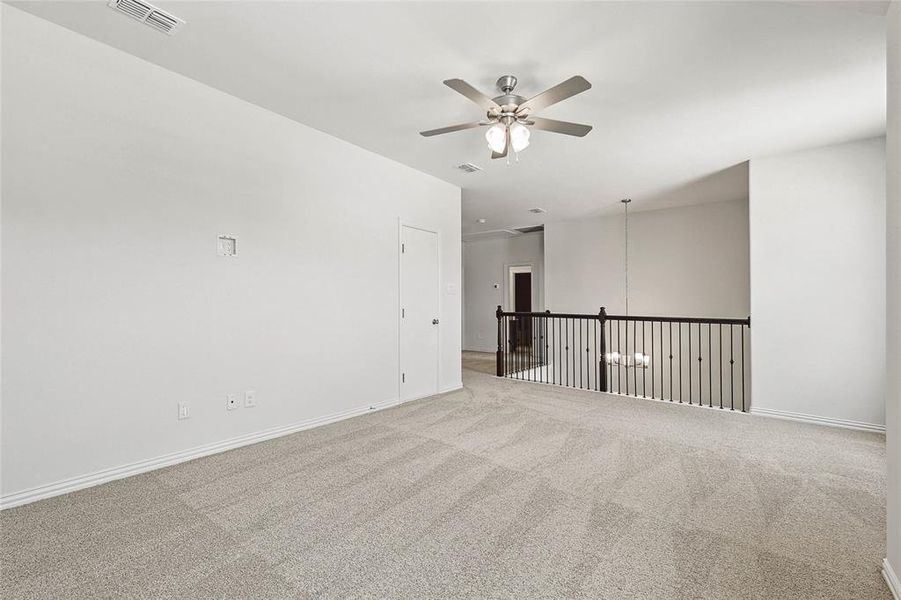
497	138
519	137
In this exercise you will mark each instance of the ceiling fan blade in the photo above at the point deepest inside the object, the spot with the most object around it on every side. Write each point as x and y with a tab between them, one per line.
506	147
452	128
561	91
564	127
461	87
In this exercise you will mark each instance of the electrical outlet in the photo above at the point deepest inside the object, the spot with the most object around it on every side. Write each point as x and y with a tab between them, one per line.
184	410
231	402
250	399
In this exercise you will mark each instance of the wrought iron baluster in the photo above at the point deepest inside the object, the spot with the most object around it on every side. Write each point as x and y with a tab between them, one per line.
598	357
623	356
732	365
700	366
579	321
588	369
619	376
508	368
547	347
559	351
610	350
709	365
680	364
586	325
550	348
671	395
572	351
690	391
644	372
566	352
521	358
634	352
594	342
742	368
506	344
653	360
720	336
531	348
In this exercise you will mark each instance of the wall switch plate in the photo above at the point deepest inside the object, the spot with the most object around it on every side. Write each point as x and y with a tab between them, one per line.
231	402
250	399
184	410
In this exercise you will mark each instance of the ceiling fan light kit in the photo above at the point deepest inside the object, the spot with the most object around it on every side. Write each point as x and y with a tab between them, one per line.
509	117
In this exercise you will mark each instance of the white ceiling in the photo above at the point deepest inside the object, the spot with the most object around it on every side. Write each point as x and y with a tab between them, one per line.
684	92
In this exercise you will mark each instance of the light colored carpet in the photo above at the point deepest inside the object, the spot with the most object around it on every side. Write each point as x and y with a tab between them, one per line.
483	362
503	490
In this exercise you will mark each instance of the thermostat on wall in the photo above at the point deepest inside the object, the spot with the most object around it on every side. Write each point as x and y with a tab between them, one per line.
228	245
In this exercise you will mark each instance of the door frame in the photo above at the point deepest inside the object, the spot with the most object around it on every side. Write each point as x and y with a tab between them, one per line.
400	274
509	282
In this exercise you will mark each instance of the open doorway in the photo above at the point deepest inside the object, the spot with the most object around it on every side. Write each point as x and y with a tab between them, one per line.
519	299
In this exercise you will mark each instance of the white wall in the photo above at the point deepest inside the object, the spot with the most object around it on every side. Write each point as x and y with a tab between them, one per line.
893	289
690	261
485	264
117	177
818	281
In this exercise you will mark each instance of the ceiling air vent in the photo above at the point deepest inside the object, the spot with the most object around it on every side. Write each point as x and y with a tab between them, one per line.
469	168
530	229
148	14
537	211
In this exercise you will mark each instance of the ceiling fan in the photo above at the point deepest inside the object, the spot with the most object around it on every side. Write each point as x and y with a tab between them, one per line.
509	116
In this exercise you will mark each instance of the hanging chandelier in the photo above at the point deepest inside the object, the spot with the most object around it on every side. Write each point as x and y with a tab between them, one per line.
638	360
629	361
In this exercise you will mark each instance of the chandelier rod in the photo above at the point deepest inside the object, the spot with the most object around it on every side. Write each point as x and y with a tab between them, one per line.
626	202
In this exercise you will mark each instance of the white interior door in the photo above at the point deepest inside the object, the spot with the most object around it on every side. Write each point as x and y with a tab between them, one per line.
419	313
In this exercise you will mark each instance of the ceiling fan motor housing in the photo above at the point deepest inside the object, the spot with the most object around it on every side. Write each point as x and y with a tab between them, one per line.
508	101
506	83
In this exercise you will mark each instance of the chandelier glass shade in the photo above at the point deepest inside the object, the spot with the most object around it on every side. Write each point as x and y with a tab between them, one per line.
629	361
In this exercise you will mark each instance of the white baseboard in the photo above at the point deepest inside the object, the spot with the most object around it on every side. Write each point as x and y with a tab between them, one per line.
805	418
452	388
894	584
99	477
724	410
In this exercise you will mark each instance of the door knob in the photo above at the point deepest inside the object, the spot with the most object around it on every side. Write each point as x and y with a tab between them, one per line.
434	321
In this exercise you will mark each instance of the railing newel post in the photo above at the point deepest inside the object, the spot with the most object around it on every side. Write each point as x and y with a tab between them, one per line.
499	355
602	317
